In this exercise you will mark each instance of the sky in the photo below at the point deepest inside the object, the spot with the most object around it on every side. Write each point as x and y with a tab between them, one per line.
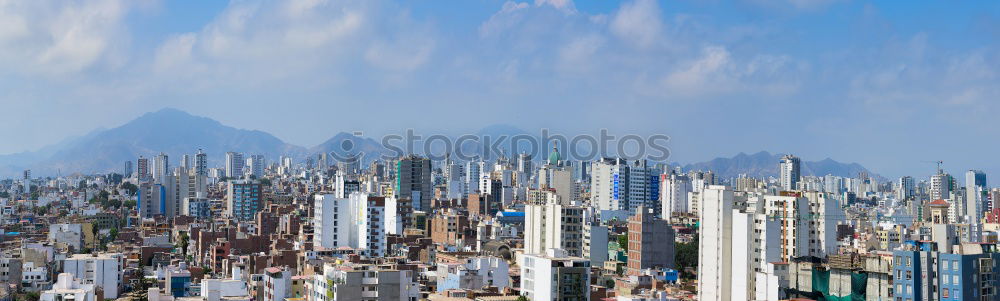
892	85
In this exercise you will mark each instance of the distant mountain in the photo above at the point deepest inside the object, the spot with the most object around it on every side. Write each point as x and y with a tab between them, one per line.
170	131
176	133
345	145
764	164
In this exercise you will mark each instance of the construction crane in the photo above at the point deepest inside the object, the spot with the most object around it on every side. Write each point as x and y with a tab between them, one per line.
938	162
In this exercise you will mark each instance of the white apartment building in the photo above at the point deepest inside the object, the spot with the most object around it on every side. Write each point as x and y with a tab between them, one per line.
811	219
102	270
716	230
234	165
674	191
617	185
555	276
277	284
363	282
357	222
790	170
553	226
744	247
69	234
231	289
560	179
68	288
474	273
595	239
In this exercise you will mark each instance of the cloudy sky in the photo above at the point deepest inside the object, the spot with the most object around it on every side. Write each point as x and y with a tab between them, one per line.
888	84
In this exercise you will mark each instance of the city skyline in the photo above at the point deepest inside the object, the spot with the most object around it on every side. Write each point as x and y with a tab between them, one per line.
719	78
499	150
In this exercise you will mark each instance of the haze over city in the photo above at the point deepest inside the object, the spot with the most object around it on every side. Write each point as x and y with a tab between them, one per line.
499	150
856	81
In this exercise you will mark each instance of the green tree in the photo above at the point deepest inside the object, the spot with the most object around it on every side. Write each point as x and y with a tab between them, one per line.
41	210
29	296
623	242
183	243
130	188
686	256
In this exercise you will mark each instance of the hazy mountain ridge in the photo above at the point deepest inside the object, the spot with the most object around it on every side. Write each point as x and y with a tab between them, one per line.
176	133
170	131
765	164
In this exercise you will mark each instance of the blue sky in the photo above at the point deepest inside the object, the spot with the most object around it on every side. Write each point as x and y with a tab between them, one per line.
888	84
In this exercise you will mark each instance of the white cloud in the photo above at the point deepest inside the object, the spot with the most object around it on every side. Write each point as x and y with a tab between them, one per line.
708	71
406	54
580	53
639	23
912	73
56	37
798	5
260	41
564	5
716	72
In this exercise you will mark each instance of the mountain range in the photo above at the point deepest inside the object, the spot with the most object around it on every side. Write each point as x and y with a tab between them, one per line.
765	164
176	132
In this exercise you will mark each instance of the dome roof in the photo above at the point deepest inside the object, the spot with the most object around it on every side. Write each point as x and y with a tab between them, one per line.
554	157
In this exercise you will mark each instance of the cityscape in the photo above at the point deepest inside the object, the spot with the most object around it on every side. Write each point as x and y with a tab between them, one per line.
553	150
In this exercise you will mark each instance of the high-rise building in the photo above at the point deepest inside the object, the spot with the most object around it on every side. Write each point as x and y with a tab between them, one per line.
197	207
559	179
357	222
151	199
185	162
413	181
454	180
142	168
553	225
234	165
905	188
595	239
790	169
674	190
976	195
738	248
809	222
716	230
617	185
201	163
161	167
650	242
942	185
244	199
524	164
555	276
256	165
924	273
128	170
474	171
